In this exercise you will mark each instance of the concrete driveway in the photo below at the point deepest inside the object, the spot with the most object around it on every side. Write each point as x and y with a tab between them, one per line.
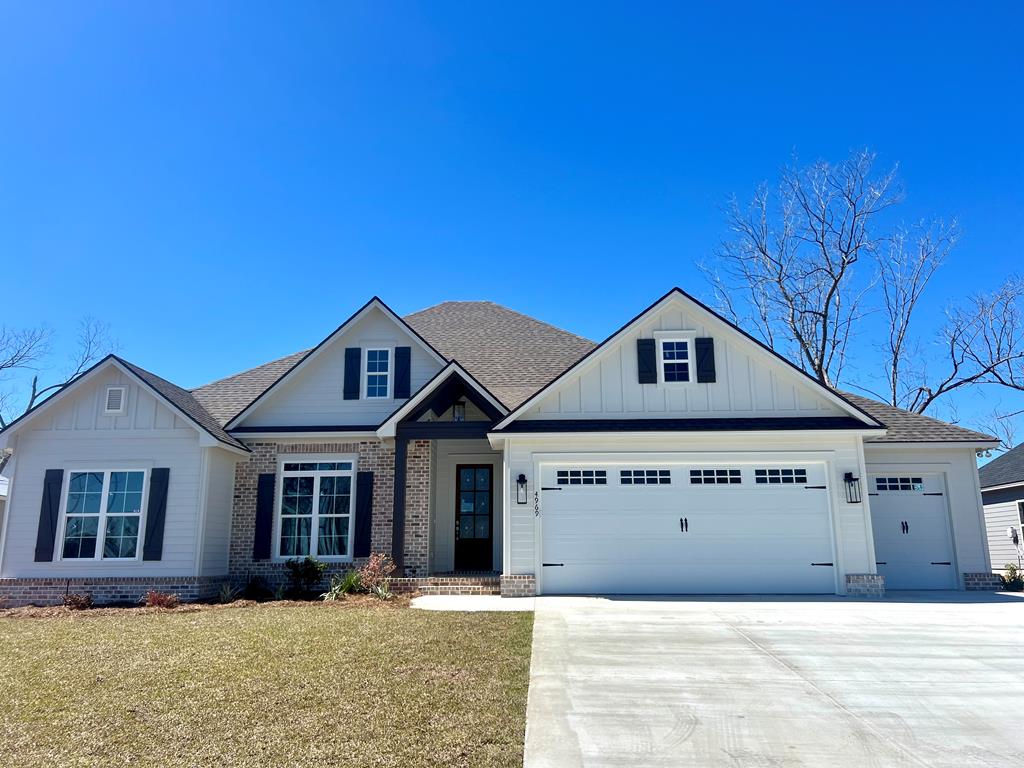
914	680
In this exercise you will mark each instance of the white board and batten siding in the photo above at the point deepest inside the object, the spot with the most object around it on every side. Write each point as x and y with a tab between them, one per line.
313	395
956	476
749	381
75	434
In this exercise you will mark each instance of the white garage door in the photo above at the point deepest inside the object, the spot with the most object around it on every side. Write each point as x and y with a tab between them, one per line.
648	528
910	521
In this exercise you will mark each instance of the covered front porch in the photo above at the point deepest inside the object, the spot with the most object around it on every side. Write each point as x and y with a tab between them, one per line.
448	490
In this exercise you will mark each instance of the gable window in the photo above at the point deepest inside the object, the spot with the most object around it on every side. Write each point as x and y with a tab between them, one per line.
315	512
102	515
782	476
1020	512
715	477
581	477
113	405
899	484
378	373
645	477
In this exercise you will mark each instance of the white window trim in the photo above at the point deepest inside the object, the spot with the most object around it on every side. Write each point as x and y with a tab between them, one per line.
106	399
101	530
391	372
314	527
689	337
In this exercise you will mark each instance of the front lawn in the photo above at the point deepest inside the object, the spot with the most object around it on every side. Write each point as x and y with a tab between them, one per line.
265	685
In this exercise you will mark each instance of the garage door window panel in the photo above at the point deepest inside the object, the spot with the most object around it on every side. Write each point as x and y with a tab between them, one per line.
780	476
645	477
581	477
716	477
899	483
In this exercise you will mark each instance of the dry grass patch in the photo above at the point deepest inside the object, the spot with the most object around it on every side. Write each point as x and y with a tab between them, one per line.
264	685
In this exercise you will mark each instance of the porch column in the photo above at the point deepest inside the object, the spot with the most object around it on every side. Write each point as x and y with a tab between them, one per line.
398	513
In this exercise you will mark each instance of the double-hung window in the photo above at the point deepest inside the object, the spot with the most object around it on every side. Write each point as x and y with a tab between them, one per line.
675	358
316	509
378	373
103	515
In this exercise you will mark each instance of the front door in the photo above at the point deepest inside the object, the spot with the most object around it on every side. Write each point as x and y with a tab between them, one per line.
474	541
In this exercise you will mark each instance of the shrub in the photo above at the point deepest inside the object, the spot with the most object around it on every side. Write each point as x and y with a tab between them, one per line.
342	584
156	599
375	576
1013	581
78	602
228	593
305	574
257	589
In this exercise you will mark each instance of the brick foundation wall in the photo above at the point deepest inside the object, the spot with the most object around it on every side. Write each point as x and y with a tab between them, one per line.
372	456
518	585
19	592
982	582
865	585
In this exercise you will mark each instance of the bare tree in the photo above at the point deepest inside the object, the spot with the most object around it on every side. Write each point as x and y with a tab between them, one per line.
905	269
27	351
1002	424
791	261
795	270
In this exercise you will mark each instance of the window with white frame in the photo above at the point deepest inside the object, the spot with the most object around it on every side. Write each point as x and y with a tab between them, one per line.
675	359
103	515
378	373
315	510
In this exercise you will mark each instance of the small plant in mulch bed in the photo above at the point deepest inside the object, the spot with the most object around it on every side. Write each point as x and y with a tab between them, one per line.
156	599
305	574
228	593
77	601
1013	579
375	576
342	584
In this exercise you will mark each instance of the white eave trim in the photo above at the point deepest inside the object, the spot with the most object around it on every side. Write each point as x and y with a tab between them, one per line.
972	444
1003	487
496	438
300	435
389	427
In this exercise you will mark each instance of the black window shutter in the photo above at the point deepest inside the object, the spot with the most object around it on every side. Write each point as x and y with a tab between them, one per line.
156	513
646	364
705	349
264	516
364	514
403	356
53	484
353	372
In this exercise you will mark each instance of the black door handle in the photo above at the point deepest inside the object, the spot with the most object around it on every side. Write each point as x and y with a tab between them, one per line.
684	525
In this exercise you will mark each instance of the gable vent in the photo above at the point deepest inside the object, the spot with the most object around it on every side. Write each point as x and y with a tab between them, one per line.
115	400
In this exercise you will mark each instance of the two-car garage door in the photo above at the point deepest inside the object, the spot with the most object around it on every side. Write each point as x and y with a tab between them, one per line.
631	527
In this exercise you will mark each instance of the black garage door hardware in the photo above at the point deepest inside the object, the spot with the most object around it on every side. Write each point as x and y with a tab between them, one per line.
549	489
940	563
816	487
933	493
553	565
828	564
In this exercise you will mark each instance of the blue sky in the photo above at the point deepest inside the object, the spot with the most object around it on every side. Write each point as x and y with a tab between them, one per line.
223	183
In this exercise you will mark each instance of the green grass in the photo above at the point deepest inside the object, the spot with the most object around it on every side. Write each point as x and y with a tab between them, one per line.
265	686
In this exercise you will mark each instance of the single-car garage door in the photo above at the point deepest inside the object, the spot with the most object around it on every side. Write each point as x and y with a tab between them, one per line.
910	523
649	528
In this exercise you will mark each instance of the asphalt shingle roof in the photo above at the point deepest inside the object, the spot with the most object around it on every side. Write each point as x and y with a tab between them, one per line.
514	356
1005	470
185	402
907	427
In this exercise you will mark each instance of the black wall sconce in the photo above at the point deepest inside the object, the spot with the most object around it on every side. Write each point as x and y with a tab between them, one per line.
521	489
852	488
459	411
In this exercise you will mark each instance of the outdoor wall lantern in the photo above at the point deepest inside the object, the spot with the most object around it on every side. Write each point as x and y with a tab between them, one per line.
521	489
459	411
852	488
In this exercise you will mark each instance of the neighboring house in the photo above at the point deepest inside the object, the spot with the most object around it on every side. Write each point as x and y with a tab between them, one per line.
1002	493
481	448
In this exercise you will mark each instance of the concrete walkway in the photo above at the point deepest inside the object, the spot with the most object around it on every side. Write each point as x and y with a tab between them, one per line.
472	603
914	680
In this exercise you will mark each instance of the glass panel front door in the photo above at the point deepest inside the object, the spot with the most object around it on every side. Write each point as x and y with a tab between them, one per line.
474	496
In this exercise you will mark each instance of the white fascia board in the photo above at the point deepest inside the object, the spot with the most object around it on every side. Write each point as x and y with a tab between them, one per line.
496	438
1003	487
300	435
942	444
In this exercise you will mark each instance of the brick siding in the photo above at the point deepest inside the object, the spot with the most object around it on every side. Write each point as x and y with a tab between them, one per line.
120	589
518	585
865	585
982	582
